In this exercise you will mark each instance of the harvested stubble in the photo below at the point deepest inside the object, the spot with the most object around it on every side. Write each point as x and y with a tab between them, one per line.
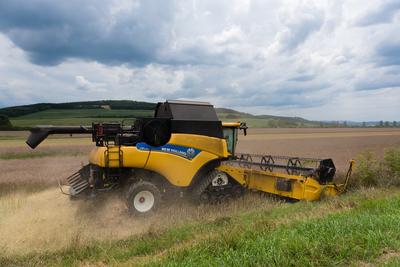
36	174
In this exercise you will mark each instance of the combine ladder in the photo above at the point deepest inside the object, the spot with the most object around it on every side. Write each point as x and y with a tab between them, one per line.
112	155
78	181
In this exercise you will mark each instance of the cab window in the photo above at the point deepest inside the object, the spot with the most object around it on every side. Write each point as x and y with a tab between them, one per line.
230	137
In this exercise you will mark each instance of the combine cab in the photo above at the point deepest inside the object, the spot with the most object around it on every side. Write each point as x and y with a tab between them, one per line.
186	150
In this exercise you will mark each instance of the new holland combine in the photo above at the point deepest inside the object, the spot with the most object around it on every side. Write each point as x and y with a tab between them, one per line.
186	150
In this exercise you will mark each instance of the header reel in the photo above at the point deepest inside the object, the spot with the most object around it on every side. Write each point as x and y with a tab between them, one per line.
322	169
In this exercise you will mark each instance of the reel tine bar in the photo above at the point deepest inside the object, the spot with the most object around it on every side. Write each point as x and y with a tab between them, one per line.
292	165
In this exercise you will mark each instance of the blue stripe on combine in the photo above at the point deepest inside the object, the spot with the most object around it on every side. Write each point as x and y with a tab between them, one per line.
183	151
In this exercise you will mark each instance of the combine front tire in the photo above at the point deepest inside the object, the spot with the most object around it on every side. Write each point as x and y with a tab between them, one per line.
143	198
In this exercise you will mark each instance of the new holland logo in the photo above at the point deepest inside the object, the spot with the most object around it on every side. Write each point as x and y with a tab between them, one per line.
190	153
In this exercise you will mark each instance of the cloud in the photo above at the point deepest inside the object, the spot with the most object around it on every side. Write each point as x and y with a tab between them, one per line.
85	85
382	78
300	23
378	85
388	52
51	31
282	57
382	12
302	78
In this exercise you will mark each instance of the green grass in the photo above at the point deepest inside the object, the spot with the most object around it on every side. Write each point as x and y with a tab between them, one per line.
336	239
392	262
342	231
76	116
85	113
374	171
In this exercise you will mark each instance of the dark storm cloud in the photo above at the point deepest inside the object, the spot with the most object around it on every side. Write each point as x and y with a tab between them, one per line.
383	13
52	31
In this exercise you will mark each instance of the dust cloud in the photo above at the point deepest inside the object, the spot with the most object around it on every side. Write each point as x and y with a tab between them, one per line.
48	220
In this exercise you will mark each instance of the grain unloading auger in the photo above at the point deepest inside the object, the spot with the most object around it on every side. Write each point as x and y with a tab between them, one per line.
186	150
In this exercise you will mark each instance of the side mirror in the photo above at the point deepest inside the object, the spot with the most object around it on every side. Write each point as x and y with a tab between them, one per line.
243	127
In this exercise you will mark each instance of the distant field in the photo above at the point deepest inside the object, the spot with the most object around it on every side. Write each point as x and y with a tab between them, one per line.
77	116
265	123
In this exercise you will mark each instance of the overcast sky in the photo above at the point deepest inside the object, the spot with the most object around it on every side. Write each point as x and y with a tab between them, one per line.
324	60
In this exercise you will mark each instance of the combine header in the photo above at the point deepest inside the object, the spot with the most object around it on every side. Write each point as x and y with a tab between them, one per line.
186	150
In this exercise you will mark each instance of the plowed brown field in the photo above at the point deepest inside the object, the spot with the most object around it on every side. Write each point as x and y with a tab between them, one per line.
340	144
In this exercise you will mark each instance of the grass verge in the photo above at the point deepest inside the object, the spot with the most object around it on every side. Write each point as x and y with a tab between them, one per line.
374	171
363	233
358	227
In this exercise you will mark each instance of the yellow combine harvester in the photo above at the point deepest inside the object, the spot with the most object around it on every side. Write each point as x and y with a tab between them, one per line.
186	150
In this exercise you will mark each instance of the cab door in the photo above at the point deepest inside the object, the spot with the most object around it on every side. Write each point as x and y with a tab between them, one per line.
230	135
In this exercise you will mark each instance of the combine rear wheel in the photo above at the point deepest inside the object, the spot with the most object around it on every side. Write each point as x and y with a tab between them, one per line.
143	198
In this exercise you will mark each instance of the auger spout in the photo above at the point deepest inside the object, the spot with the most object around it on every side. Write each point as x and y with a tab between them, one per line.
40	133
